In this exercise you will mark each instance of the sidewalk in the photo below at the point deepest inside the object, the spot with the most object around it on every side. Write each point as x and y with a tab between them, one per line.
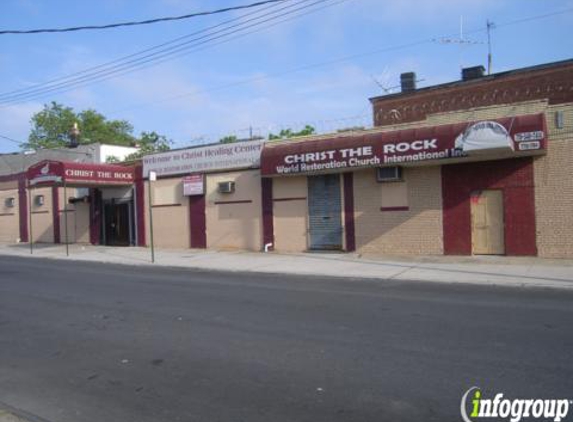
10	414
490	270
9	417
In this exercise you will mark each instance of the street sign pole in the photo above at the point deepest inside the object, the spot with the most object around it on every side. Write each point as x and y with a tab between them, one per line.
152	178
30	236
66	217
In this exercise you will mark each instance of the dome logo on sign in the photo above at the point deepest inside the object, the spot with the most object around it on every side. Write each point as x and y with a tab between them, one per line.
484	136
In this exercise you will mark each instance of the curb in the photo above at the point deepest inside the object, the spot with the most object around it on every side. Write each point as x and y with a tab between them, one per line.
12	414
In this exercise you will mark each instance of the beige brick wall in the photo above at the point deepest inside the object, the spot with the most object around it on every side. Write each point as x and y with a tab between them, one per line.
416	231
42	220
78	218
290	212
171	226
9	216
233	223
553	172
554	189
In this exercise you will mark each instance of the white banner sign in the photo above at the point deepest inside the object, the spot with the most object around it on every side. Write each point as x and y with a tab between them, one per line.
205	159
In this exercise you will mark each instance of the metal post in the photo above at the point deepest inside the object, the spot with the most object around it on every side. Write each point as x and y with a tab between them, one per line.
489	26
151	177
66	217
30	235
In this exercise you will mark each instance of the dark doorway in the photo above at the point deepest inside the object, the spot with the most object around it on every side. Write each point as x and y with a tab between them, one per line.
117	223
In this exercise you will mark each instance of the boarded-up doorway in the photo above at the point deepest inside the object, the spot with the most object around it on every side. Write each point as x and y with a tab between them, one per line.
487	222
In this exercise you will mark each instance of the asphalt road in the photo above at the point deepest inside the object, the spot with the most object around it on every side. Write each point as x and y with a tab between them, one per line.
91	342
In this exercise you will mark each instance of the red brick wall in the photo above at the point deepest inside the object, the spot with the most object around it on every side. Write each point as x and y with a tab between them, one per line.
515	178
552	83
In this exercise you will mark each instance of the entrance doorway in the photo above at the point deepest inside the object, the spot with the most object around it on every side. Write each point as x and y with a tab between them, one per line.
324	212
118	223
488	230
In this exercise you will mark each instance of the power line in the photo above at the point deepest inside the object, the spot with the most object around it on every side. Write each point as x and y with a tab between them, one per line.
12	140
138	53
123	64
333	61
166	54
316	65
135	23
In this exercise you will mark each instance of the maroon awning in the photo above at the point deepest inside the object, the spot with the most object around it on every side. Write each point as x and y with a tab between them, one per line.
80	173
471	141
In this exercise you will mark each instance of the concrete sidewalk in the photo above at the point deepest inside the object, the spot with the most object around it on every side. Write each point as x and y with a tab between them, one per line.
11	414
490	270
9	417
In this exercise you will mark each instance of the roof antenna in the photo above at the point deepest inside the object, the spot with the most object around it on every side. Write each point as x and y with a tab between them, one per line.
490	25
461	41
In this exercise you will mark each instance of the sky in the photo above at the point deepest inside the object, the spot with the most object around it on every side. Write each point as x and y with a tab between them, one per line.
312	62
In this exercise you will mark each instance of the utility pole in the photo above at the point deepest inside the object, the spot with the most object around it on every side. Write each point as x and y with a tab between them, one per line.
490	25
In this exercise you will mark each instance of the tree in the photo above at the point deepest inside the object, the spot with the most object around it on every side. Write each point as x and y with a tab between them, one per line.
51	126
148	143
288	133
228	139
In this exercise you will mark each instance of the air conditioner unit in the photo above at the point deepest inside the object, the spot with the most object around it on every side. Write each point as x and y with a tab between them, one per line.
226	187
10	202
389	174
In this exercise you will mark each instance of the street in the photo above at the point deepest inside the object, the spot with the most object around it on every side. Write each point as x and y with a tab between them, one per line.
88	342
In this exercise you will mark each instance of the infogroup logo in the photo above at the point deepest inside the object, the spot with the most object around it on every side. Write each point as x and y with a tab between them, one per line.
513	410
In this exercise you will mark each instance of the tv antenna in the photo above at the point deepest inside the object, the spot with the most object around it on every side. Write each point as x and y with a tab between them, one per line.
386	89
461	41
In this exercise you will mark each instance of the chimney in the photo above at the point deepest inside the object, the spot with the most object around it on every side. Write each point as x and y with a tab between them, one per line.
474	72
408	82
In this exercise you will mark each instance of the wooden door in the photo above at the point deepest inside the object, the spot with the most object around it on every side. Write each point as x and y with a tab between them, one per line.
487	222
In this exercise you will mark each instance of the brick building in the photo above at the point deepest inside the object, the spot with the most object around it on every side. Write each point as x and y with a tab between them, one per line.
477	166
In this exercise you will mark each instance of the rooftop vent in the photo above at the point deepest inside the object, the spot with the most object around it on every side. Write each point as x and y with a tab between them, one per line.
474	72
408	81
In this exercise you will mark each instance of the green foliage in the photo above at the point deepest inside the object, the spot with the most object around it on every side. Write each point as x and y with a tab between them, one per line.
288	133
51	126
149	143
228	139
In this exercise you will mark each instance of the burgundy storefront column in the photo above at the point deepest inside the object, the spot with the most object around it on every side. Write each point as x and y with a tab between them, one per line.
23	207
349	232
140	205
267	205
95	216
198	221
56	213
